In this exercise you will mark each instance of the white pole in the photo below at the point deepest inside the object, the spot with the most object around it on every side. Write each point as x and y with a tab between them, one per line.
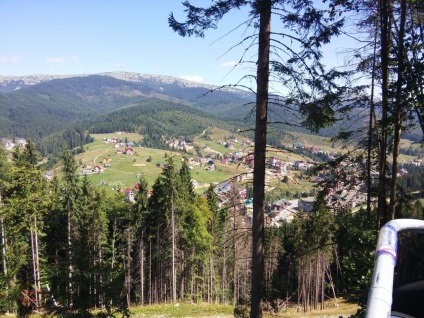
380	295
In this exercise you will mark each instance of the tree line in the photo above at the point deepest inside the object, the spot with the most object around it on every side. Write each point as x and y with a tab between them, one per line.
68	247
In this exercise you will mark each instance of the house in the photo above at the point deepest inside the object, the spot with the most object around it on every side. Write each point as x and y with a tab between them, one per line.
129	194
224	186
299	164
97	169
105	160
7	143
212	167
416	162
49	175
250	160
194	183
306	204
224	161
243	193
129	151
317	180
286	212
119	152
21	142
281	167
402	172
273	161
248	207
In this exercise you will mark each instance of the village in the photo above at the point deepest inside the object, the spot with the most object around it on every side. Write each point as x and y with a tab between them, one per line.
347	192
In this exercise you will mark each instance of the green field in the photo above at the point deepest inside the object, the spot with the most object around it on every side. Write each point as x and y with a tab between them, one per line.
125	170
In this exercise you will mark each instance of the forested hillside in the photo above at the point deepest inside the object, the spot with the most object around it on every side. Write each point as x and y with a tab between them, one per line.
38	110
65	110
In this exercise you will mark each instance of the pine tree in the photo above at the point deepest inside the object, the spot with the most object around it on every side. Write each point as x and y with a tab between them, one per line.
140	211
70	191
26	203
311	28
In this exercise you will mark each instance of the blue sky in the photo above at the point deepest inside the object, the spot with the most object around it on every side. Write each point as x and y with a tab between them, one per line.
93	36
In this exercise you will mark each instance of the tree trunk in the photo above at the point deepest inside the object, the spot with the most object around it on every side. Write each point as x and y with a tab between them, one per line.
128	274
3	248
141	253
70	267
370	127
257	286
35	264
398	110
174	276
385	9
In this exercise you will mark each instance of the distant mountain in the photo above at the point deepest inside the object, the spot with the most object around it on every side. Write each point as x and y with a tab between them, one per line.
12	83
158	84
38	105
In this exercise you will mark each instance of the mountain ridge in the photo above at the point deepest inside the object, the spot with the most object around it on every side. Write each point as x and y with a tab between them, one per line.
10	83
36	106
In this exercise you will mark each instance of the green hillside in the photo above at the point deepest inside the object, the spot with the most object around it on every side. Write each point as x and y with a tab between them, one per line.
39	110
124	169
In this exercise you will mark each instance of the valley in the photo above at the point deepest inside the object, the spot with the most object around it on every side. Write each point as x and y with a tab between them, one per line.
115	169
141	212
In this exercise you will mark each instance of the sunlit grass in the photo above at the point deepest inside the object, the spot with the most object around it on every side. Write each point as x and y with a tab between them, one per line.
190	310
183	310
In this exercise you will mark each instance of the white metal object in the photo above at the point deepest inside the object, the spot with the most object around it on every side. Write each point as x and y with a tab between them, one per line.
380	295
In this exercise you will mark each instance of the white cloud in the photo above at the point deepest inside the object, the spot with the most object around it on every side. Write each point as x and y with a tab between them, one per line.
193	78
75	58
229	64
55	60
11	59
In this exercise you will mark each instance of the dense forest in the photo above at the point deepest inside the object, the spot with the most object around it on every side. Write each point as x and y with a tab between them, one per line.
43	109
67	247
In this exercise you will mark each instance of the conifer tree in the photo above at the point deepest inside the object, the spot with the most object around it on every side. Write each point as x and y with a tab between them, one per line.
314	90
186	185
70	190
140	211
26	204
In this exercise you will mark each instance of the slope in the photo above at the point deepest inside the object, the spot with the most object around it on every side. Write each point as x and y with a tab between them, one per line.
46	105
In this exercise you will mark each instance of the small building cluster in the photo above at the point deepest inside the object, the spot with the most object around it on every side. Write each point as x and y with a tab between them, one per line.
9	144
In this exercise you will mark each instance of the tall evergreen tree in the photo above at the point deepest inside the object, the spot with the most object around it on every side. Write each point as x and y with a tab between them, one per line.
26	203
140	211
4	179
70	191
315	91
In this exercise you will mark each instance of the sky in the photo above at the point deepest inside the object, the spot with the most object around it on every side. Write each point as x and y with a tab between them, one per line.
95	36
92	36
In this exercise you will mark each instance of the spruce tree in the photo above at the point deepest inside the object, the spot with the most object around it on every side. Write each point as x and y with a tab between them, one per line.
70	191
312	88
